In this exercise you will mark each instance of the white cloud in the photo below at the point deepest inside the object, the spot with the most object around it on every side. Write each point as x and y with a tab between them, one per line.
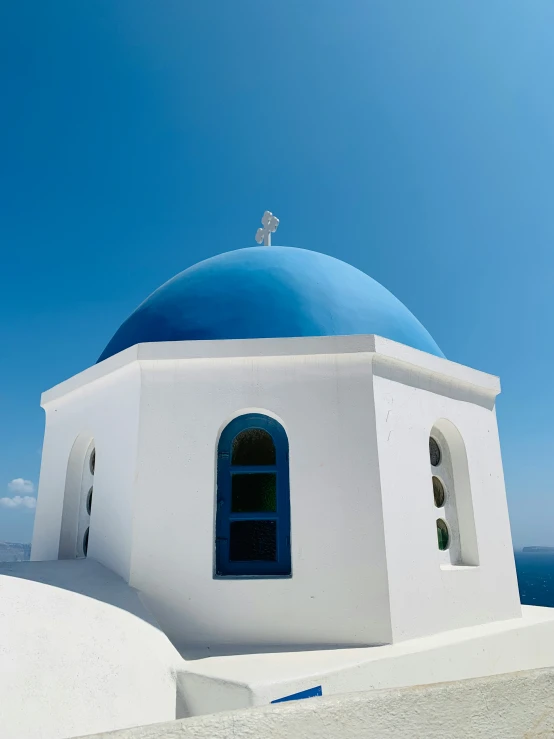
19	501
20	489
20	486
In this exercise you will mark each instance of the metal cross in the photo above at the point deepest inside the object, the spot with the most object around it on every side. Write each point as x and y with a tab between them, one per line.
270	224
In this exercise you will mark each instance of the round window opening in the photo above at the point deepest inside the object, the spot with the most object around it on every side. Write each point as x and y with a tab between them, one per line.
443	535
92	461
438	492
434	452
89	500
85	543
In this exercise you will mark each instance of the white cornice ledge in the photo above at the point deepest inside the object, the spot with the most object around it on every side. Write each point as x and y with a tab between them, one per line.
388	357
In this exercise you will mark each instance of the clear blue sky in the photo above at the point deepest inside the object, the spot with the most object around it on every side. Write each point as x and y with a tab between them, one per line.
414	140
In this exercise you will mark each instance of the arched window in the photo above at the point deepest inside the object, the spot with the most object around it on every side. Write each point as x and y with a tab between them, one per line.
453	505
253	499
85	505
78	494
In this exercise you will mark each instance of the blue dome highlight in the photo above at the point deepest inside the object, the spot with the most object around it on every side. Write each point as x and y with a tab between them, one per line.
270	292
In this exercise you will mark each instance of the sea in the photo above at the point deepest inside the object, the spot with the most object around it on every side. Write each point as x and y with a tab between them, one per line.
535	575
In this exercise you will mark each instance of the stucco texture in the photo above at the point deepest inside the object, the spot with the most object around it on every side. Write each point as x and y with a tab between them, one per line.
515	706
79	653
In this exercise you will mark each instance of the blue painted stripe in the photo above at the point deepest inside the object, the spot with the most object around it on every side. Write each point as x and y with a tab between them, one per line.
310	693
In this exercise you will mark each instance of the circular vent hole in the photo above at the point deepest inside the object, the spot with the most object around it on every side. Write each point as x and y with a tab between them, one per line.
438	492
92	461
434	452
443	535
85	543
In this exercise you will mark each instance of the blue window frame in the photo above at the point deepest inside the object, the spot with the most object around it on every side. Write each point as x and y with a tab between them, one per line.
253	499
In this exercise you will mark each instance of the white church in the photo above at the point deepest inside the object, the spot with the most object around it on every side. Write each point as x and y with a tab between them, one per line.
272	485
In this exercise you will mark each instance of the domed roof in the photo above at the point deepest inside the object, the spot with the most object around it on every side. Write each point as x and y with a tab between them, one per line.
270	292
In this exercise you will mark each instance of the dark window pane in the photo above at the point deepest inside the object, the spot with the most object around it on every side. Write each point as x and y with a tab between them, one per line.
438	492
255	493
89	501
253	446
434	452
253	540
443	535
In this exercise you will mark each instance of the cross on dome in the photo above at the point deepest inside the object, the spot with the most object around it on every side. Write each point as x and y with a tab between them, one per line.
270	223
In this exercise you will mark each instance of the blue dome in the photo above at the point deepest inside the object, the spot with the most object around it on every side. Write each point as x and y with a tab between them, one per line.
270	292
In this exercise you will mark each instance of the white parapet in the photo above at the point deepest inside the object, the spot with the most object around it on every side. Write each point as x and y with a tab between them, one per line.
513	706
225	682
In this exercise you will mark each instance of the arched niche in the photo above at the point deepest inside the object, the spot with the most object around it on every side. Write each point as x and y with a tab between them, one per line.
78	482
454	504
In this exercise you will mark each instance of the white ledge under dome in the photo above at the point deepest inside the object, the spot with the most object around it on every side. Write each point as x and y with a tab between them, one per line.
398	354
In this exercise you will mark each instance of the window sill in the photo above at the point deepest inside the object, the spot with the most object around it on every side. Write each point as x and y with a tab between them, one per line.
252	577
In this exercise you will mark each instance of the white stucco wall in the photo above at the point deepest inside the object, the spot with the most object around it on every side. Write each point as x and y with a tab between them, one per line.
106	412
358	411
428	593
338	592
79	653
512	645
516	706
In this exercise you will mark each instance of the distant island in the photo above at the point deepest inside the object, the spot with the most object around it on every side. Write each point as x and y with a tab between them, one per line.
12	552
538	549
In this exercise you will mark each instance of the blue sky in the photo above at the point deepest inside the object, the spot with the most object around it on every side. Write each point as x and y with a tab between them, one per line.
413	140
